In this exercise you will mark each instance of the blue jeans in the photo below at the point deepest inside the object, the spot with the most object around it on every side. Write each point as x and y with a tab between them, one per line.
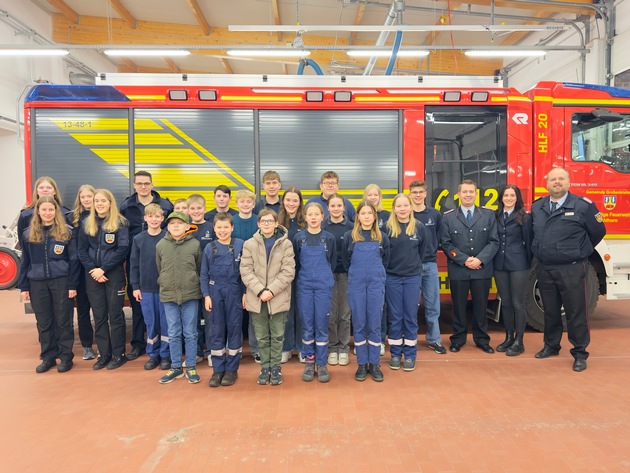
431	300
182	323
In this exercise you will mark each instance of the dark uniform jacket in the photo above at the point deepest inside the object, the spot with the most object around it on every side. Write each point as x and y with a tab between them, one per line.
461	240
515	243
569	235
105	250
133	211
48	260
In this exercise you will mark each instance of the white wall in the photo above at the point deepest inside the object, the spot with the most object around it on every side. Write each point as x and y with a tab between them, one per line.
15	74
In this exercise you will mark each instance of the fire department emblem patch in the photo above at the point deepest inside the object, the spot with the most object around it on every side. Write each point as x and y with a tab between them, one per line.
610	201
453	253
110	238
599	218
58	249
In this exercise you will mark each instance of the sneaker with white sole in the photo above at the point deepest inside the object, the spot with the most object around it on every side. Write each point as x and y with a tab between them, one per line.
88	353
344	359
257	358
333	358
394	363
193	377
263	377
409	365
382	349
438	348
172	375
302	358
276	376
286	356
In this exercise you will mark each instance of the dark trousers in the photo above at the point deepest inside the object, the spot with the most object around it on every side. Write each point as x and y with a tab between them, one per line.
566	286
84	323
107	301
511	286
53	313
479	290
138	327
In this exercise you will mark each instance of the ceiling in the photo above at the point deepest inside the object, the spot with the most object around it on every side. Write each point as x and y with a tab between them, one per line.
204	23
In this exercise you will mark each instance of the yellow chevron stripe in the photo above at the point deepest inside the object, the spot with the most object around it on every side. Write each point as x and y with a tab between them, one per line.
90	139
190	176
167	156
208	155
113	156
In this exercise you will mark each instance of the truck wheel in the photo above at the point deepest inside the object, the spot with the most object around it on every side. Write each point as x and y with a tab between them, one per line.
9	268
534	305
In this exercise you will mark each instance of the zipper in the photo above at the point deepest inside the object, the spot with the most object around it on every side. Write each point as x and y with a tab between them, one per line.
46	249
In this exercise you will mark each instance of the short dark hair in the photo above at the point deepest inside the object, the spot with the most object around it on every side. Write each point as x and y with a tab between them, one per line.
223	217
223	188
143	173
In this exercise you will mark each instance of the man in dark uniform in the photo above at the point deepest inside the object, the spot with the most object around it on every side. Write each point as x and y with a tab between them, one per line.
132	208
470	241
566	230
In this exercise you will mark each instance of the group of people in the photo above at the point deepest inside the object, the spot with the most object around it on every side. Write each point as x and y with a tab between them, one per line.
305	274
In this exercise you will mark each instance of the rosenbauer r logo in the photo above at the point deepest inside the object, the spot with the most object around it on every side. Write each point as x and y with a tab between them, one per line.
520	118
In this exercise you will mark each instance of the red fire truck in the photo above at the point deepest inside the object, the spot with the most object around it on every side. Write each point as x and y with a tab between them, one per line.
194	132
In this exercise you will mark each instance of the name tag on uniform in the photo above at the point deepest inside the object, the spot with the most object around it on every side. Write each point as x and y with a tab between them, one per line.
569	214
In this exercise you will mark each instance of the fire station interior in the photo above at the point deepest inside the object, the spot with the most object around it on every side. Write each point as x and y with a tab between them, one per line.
468	411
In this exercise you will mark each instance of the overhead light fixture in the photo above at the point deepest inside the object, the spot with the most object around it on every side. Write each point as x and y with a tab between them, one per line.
269	52
33	52
146	52
506	53
384	53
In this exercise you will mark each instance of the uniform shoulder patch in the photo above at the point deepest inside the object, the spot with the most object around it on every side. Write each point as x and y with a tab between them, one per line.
599	218
448	211
587	200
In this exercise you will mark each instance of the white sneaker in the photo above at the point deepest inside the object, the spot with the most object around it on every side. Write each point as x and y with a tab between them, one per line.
382	349
354	350
344	359
286	356
333	358
209	361
302	358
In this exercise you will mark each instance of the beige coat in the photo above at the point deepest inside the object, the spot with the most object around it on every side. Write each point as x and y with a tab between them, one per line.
276	274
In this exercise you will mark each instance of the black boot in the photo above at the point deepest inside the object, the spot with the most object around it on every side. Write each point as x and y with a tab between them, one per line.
517	347
509	339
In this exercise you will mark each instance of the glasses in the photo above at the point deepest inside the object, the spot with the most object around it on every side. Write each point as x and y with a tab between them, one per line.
142	184
329	183
267	222
418	192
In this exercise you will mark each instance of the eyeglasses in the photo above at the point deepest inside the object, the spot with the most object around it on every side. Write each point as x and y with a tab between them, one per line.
418	192
266	222
142	184
329	183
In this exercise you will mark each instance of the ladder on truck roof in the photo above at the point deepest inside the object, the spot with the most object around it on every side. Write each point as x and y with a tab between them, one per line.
243	80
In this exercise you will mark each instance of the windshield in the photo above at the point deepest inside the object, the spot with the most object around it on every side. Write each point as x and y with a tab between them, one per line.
598	141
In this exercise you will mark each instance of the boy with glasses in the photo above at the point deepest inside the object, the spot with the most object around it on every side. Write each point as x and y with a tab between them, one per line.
329	185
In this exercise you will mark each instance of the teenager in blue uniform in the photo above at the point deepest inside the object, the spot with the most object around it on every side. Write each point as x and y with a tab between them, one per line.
511	266
271	186
366	255
329	185
224	300
49	275
407	238
339	325
82	206
103	247
291	217
316	256
143	276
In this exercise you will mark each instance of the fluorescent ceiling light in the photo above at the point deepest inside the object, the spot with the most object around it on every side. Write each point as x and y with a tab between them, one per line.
146	52
33	52
269	52
379	28
506	53
383	53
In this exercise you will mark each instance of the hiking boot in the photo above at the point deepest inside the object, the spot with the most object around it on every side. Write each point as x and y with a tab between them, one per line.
229	378
323	376
376	373
193	377
172	375
309	372
409	365
152	364
116	362
361	374
394	363
276	376
215	379
263	377
88	353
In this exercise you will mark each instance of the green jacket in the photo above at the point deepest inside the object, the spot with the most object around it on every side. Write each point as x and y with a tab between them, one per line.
178	264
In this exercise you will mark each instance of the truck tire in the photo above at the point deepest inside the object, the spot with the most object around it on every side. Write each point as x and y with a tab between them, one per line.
534	305
9	268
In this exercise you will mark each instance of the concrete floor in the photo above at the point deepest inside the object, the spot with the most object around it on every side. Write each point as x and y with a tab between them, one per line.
463	412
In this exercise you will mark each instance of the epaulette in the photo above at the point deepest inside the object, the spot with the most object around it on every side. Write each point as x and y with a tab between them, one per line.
448	211
587	200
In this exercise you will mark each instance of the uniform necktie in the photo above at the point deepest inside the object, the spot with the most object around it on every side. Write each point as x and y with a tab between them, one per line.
554	206
469	216
505	217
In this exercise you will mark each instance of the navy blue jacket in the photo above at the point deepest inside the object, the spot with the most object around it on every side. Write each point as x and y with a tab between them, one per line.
515	243
209	216
383	217
48	260
133	211
262	204
24	221
204	233
407	251
461	240
338	230
349	208
569	235
104	250
143	273
432	220
303	237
